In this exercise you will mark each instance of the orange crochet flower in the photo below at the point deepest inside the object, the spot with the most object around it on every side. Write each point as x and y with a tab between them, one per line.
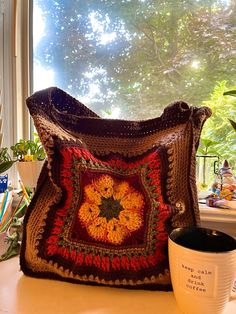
111	210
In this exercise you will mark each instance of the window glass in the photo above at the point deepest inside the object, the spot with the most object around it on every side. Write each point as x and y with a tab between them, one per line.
130	58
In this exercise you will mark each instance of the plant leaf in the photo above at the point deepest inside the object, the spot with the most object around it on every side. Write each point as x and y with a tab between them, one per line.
230	93
4	166
233	123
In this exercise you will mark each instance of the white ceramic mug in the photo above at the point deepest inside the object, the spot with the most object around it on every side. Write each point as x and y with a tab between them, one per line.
203	269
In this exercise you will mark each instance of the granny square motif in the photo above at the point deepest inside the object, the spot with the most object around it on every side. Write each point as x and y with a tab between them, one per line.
111	225
109	193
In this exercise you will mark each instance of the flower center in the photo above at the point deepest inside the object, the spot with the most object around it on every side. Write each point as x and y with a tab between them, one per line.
110	208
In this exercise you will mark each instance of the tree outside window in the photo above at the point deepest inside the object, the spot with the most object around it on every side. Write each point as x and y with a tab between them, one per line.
129	59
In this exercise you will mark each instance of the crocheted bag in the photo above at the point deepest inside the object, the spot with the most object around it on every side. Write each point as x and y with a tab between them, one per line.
110	192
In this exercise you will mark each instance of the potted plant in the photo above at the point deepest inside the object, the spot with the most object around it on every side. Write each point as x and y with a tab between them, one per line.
30	155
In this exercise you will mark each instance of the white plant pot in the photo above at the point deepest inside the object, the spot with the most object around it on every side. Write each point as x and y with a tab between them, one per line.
29	172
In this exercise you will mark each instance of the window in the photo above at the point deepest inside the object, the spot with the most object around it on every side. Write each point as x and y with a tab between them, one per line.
124	59
134	55
128	59
117	86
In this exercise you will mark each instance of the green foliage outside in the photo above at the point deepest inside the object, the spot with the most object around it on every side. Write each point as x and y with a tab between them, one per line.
138	55
157	52
218	134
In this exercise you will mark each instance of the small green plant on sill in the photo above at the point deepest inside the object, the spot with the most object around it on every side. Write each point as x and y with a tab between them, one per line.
28	150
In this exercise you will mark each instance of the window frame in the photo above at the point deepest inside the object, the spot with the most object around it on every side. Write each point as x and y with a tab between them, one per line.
16	87
20	61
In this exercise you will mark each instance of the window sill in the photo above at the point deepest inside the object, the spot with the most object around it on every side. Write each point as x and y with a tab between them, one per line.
217	218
